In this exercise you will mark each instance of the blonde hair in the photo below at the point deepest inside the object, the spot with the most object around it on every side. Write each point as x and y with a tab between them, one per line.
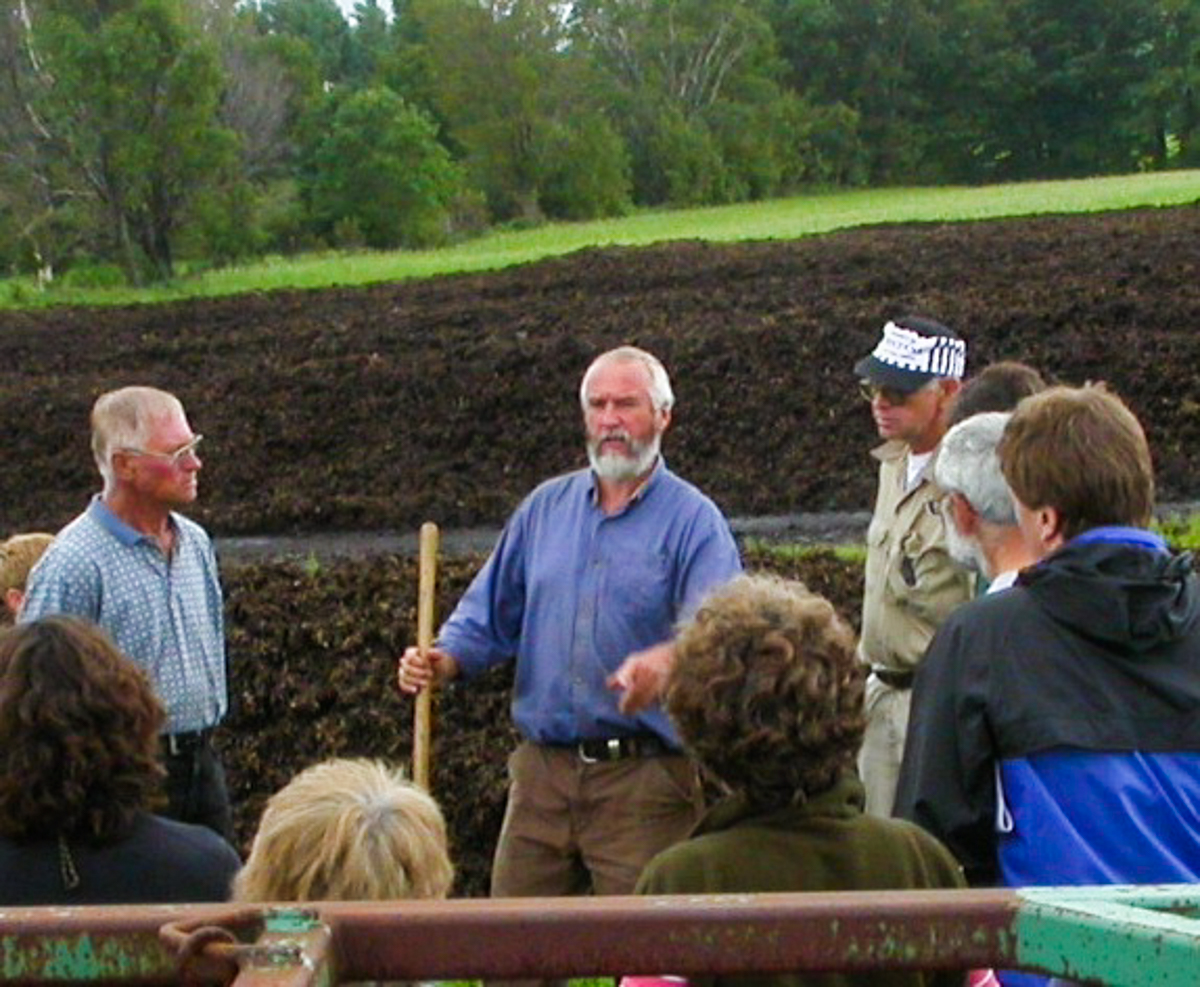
122	419
17	557
347	830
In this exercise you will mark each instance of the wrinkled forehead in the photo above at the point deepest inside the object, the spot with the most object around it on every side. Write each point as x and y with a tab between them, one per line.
615	376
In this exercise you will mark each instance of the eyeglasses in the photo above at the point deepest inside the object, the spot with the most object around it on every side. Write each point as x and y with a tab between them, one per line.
172	459
891	395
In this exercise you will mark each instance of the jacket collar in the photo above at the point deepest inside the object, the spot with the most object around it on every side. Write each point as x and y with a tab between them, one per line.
845	799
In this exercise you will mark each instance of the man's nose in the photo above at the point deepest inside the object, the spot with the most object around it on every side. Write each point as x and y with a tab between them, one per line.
607	414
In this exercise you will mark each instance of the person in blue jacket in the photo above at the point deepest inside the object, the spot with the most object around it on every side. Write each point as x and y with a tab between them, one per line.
1055	735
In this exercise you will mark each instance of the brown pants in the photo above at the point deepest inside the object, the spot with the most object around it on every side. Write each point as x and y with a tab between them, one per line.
573	827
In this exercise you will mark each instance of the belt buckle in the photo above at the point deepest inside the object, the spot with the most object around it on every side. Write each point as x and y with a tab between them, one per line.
612	751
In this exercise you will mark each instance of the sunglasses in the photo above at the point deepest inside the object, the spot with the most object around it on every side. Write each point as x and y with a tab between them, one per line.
890	395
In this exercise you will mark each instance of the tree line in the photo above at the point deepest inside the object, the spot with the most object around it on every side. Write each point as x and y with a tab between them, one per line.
137	133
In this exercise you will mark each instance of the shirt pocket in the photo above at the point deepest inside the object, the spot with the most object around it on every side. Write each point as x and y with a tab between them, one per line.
639	589
920	552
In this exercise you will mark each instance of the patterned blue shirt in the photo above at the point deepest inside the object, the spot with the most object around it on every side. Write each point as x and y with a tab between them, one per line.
165	615
571	592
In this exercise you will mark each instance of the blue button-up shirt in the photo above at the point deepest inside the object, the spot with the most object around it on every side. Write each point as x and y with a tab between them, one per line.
167	615
571	592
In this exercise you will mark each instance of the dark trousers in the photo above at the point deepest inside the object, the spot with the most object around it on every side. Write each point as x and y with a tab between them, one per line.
196	790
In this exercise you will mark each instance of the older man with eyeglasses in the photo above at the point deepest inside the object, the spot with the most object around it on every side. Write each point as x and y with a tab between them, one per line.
911	584
148	575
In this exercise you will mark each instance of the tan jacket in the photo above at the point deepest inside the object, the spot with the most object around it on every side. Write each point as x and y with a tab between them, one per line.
911	584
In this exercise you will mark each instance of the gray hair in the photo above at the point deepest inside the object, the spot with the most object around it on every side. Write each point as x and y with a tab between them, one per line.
122	419
968	464
661	395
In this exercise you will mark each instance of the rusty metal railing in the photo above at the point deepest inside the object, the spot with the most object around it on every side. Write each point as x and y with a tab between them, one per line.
1128	936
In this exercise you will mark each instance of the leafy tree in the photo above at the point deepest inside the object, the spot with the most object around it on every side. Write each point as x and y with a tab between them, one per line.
523	106
974	76
862	55
269	82
997	89
378	168
32	193
320	23
1089	62
370	44
1169	98
405	64
696	88
121	101
496	66
588	171
686	161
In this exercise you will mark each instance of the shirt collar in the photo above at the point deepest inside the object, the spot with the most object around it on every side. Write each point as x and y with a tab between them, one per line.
124	533
846	798
1003	580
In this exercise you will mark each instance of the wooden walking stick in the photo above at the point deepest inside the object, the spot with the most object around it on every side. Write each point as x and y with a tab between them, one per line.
427	581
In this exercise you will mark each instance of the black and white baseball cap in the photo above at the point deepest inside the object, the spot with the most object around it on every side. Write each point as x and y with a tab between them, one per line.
912	352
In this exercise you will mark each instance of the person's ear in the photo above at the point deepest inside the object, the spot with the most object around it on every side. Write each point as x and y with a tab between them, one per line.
949	389
964	517
122	464
13	598
1049	527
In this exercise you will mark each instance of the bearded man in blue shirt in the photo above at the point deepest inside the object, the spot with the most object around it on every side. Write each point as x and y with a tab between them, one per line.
584	589
148	575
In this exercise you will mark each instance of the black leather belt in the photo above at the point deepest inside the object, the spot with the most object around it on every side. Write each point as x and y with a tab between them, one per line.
185	744
617	748
897	678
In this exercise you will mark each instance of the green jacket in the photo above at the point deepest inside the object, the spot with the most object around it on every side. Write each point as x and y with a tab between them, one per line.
828	844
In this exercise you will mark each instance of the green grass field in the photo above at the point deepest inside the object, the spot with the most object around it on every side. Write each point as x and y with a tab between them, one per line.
779	219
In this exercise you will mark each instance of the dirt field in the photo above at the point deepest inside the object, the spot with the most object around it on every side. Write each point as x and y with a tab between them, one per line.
379	408
313	660
375	409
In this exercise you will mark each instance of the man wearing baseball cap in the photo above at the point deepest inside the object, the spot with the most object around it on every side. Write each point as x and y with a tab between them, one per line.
911	584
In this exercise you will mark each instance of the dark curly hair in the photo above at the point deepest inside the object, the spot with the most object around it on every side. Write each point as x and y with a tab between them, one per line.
766	691
79	727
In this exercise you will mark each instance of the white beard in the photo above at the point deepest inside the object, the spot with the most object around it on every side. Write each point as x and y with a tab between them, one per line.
965	551
615	467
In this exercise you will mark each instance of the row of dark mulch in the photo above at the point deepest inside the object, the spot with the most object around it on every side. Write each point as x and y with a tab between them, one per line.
447	399
313	659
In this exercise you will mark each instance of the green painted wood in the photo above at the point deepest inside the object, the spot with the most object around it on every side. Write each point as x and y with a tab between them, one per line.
1121	936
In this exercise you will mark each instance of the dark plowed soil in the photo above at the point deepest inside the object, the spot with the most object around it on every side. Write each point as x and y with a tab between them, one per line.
379	408
448	399
313	653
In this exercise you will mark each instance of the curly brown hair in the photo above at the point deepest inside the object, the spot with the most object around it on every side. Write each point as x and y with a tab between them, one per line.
766	691
79	727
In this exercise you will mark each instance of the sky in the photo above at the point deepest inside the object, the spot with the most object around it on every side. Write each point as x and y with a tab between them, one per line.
348	9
